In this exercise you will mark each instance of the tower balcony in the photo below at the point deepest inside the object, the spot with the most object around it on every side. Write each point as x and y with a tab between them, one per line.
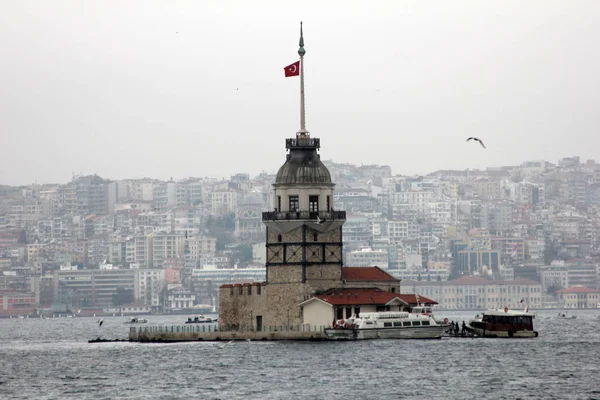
302	143
303	215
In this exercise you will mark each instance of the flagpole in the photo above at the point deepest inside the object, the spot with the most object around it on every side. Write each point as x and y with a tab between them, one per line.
301	53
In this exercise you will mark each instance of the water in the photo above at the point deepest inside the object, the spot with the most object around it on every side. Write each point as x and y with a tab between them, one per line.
51	359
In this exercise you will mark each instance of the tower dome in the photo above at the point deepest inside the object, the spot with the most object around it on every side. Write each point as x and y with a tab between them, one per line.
303	164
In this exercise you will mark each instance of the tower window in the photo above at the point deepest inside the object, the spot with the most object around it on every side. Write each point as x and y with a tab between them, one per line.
279	238
279	203
316	237
313	203
328	203
294	203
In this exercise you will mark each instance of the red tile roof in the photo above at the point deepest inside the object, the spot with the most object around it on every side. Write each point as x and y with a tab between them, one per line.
412	299
351	297
366	274
358	297
578	289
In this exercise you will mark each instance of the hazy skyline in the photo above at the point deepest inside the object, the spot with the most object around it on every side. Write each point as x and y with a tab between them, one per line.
148	89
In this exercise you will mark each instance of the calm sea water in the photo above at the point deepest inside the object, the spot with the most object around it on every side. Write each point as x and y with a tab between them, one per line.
51	359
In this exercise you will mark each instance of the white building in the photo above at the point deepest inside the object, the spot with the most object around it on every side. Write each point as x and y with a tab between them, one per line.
150	283
478	293
367	257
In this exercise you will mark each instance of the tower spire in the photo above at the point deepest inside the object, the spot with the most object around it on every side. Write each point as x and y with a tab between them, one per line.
301	52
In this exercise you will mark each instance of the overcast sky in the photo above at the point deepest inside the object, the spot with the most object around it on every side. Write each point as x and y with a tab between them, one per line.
131	89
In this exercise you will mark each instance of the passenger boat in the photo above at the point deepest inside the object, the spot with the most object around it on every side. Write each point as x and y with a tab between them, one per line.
387	325
504	323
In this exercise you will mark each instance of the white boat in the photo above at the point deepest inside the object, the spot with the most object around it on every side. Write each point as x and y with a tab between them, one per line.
565	316
136	320
201	319
504	323
387	325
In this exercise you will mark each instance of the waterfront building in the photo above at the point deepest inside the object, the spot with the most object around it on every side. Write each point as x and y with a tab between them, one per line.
578	297
471	292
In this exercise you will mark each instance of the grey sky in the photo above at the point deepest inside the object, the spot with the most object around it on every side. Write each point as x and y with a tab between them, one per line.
128	89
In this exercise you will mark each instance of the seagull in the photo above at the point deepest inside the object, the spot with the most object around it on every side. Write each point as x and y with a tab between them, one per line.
223	345
100	322
477	140
320	221
237	88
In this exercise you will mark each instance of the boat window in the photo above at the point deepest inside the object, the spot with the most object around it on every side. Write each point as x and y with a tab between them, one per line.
387	324
397	323
425	323
416	323
406	323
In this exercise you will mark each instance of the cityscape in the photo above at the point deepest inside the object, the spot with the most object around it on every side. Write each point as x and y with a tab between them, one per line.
267	200
471	239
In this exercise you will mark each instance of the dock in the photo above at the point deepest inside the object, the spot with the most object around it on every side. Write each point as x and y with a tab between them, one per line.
207	332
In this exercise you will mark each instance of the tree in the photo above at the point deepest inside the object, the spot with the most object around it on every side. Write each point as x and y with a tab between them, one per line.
122	296
553	290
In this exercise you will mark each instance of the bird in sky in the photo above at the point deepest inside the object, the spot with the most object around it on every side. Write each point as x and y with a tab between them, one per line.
320	221
477	140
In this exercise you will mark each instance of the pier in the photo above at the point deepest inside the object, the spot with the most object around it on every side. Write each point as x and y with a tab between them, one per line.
206	332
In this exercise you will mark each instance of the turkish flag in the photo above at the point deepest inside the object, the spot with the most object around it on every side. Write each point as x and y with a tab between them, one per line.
292	69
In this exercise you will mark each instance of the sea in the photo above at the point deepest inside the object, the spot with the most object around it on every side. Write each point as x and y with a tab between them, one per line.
52	359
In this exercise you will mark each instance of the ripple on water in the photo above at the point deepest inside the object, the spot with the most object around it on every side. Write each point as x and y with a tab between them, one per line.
51	359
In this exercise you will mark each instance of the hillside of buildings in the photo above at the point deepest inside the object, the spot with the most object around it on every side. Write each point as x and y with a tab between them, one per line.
468	239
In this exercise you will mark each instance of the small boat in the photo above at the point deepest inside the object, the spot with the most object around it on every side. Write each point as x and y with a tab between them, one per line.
565	316
504	323
201	319
136	320
387	325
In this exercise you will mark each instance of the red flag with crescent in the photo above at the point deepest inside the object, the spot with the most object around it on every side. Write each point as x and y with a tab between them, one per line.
292	69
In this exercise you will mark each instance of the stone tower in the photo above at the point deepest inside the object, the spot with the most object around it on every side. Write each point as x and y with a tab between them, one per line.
304	233
303	238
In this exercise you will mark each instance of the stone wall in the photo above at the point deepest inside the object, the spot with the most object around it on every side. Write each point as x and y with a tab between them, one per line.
240	304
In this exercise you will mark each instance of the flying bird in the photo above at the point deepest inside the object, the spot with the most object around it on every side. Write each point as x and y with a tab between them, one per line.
477	140
320	221
100	322
223	345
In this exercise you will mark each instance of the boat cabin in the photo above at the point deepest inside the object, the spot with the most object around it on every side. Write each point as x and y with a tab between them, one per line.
503	322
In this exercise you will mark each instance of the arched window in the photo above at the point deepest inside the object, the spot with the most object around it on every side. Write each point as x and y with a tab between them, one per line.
279	238
316	237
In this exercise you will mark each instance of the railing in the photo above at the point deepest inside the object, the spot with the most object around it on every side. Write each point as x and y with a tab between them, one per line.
302	142
194	328
286	215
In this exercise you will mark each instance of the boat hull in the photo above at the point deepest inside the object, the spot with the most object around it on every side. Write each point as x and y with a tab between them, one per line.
522	334
414	332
